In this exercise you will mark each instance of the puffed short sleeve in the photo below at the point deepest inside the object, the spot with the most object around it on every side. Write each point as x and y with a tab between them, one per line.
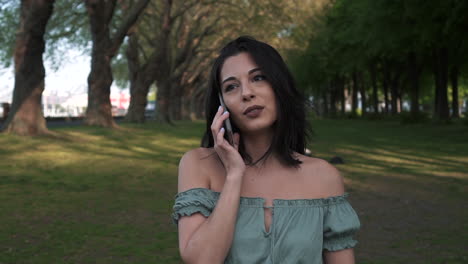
339	226
197	200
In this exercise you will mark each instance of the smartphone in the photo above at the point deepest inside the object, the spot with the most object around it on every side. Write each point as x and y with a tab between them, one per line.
227	123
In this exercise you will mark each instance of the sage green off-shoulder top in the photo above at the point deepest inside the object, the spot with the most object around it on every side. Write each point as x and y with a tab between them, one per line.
300	229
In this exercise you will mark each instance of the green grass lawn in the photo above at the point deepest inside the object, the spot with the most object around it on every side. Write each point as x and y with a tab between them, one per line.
93	195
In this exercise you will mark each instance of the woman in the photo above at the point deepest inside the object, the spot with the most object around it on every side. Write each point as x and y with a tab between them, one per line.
260	200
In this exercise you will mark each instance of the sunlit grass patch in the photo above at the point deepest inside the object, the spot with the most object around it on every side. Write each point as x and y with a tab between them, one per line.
94	195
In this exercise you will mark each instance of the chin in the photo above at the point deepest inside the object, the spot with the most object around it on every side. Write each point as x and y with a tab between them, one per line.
254	127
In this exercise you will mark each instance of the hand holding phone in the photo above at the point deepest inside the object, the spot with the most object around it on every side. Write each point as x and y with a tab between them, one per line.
227	123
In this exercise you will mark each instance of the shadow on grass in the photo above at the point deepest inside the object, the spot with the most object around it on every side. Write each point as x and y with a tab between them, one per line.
94	195
408	184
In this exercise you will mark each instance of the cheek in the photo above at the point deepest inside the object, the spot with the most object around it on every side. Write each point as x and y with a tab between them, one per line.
274	107
230	105
275	112
233	111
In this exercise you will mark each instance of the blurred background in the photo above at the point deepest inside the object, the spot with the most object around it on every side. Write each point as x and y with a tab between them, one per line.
100	99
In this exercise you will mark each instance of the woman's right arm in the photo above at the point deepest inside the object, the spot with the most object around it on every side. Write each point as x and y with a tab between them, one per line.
208	240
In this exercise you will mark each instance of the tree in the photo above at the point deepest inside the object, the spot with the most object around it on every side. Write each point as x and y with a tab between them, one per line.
105	47
26	117
392	41
146	69
174	44
9	24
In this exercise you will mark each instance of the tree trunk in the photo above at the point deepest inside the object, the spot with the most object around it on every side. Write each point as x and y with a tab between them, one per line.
99	111
354	103
400	102
436	85
156	69
325	103
196	103
178	109
175	106
199	105
163	76
393	100
193	107
163	101
26	116
394	90
185	108
436	82
100	13
385	84
342	95
454	81
333	97
414	73
144	76
140	83
373	73
188	106
441	77
362	90
138	99
176	100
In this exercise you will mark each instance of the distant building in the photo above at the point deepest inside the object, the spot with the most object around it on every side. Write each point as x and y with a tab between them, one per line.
75	105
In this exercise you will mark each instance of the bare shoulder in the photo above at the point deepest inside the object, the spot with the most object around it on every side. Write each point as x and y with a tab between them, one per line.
320	172
194	168
196	155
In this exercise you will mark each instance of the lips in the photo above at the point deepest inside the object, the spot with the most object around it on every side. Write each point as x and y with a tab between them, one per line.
252	108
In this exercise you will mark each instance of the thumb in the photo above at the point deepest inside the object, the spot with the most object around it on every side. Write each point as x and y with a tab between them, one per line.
236	139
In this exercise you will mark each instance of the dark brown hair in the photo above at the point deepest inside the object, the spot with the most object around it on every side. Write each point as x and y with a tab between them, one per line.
291	127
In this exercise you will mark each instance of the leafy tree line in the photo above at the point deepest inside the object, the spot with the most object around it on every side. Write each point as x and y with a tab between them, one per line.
386	51
183	47
167	43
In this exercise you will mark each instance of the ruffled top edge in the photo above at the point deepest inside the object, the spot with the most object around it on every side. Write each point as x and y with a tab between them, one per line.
259	201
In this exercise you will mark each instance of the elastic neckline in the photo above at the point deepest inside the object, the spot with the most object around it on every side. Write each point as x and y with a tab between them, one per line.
259	201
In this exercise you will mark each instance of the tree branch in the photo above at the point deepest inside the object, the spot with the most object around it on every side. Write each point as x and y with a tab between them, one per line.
130	20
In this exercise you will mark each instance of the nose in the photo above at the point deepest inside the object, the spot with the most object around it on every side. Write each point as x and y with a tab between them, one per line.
247	92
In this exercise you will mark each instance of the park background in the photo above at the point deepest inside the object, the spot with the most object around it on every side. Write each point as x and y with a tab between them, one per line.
388	90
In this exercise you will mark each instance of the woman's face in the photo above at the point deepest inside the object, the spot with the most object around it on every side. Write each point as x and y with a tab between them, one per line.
247	94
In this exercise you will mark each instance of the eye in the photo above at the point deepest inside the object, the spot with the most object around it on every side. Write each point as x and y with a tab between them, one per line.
230	87
259	77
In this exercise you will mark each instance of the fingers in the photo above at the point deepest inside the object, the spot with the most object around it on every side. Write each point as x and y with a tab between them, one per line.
218	124
214	125
220	138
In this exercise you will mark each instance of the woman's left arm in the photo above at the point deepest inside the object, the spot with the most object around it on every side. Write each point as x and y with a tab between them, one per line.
345	256
334	184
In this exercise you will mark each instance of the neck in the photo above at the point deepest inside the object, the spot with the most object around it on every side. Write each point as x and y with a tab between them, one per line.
256	144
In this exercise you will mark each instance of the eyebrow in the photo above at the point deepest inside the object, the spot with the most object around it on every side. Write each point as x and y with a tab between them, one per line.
232	78
254	70
228	79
